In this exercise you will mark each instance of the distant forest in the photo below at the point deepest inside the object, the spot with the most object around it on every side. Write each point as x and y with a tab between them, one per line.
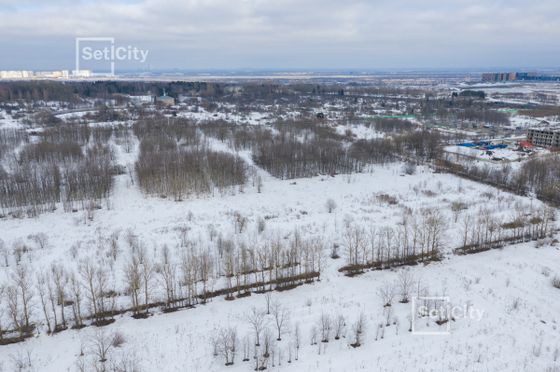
75	91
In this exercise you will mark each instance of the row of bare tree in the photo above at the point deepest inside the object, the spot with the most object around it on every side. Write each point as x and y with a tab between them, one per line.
418	238
95	291
539	176
486	230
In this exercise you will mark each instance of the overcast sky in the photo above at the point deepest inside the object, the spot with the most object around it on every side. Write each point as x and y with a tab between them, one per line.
332	34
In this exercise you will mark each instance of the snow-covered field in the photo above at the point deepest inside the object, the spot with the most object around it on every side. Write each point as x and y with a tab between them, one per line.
508	154
510	288
505	310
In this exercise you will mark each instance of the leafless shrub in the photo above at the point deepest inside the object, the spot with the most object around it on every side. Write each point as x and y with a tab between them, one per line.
261	225
339	325
330	205
409	168
358	329
41	239
118	340
125	363
386	293
325	326
22	361
240	222
388	199
556	282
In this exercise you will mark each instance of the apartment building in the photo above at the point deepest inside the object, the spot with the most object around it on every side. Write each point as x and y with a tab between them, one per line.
544	137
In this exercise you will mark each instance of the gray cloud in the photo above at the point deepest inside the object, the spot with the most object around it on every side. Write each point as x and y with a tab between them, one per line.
288	33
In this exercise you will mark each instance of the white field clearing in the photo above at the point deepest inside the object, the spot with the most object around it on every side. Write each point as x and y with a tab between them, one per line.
518	330
510	288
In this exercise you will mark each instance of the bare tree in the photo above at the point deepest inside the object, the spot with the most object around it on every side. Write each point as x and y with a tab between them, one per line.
42	290
406	282
168	273
267	343
297	339
226	342
101	344
60	281
88	273
133	281
466	226
147	273
259	184
77	298
257	321
386	293
246	349
240	222
354	242
20	298
268	298
2	297
281	318
105	295
4	252
434	227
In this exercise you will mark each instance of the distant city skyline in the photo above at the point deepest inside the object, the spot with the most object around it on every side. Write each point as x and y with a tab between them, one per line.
287	34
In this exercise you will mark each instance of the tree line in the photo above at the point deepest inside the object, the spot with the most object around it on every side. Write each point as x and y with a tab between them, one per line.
93	291
62	166
537	176
418	238
420	235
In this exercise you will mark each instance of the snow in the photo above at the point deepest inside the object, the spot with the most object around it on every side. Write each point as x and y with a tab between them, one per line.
8	122
251	118
526	122
180	341
507	154
359	131
297	203
518	329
